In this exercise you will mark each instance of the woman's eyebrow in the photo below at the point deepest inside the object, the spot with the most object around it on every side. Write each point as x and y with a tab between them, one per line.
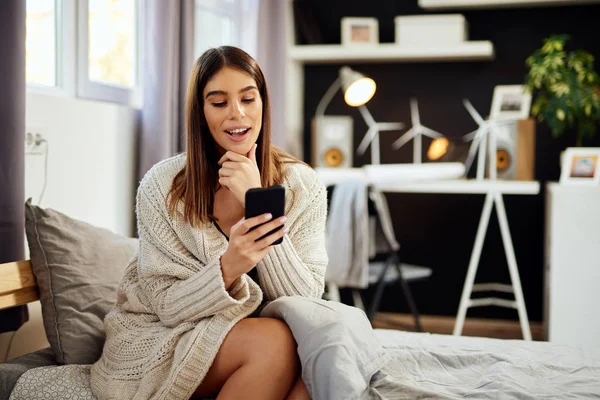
222	92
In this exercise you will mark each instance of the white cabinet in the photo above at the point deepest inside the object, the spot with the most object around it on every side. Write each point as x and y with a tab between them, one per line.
572	275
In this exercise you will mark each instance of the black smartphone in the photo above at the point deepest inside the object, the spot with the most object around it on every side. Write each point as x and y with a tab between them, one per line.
266	200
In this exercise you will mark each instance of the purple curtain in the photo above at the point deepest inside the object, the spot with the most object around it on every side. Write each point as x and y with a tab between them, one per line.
168	60
12	136
12	130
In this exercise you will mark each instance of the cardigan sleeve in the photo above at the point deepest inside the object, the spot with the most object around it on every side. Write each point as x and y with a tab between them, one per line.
297	265
179	287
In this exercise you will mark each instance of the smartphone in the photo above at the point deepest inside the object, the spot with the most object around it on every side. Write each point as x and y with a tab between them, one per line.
266	200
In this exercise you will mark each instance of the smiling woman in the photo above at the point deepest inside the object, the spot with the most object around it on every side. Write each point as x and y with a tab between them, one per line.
234	116
180	327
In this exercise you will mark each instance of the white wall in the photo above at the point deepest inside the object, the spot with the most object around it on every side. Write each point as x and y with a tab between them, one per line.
91	176
91	161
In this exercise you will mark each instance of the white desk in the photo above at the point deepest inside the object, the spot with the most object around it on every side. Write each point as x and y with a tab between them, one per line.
494	190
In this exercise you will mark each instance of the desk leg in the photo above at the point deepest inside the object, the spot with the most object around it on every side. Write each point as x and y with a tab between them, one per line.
475	255
512	265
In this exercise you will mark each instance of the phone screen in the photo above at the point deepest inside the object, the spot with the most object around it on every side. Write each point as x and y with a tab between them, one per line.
266	200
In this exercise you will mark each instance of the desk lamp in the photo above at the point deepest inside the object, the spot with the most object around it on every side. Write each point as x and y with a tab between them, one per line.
358	89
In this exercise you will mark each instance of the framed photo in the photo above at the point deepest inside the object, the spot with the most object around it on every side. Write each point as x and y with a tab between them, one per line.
581	166
360	31
510	102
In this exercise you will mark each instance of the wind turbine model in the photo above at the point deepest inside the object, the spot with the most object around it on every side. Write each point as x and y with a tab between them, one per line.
372	135
479	141
415	133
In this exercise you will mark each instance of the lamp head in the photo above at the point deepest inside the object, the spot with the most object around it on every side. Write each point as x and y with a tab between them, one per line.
357	88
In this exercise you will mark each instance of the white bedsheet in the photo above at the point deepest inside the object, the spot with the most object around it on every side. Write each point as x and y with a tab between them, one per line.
422	366
428	366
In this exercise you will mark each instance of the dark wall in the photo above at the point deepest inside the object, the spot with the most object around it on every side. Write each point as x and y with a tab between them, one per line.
435	229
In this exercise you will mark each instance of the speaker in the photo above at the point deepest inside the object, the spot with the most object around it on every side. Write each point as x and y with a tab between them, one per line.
332	141
515	151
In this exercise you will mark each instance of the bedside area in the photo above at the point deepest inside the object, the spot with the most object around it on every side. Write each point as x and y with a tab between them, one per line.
572	264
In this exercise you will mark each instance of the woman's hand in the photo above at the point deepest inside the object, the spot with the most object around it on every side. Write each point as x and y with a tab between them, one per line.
239	173
243	251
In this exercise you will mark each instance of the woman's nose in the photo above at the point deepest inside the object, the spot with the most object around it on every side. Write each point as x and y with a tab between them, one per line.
237	111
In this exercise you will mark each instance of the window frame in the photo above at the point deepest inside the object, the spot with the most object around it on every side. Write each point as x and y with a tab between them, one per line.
64	63
88	89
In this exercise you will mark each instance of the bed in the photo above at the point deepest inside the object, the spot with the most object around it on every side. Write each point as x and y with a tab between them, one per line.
418	365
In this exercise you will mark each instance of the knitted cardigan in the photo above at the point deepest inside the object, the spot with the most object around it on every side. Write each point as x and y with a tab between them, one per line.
173	311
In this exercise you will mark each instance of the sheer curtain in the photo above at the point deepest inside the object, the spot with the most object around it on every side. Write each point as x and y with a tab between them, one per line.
270	48
168	59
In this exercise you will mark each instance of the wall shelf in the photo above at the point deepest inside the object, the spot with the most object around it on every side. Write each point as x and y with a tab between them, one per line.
473	4
391	52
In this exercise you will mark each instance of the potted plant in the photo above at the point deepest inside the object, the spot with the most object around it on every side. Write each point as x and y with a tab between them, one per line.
566	88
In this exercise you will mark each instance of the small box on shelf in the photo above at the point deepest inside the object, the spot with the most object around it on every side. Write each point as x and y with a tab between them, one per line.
431	30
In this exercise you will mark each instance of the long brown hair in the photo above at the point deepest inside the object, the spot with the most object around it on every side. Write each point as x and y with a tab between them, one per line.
195	185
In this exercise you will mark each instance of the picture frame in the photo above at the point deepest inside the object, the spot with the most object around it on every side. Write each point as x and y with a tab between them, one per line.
360	31
510	102
580	166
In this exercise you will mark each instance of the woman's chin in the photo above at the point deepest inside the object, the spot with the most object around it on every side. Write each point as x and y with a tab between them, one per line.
239	148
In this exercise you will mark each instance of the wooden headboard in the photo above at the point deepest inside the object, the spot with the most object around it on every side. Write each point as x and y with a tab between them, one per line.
17	284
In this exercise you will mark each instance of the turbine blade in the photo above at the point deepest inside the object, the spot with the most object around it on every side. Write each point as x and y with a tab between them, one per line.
474	114
470	136
414	112
405	138
430	132
390	126
364	111
472	150
366	141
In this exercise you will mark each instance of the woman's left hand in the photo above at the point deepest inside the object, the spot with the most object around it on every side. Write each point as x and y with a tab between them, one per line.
239	173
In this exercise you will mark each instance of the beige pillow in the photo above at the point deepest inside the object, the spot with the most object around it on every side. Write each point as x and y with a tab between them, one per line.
78	268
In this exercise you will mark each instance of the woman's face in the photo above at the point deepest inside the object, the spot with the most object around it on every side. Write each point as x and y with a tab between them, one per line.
233	110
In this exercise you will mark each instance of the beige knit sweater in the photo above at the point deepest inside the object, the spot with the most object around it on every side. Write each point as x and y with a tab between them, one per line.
173	311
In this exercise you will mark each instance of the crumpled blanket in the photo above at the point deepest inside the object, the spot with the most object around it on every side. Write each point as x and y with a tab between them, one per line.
337	346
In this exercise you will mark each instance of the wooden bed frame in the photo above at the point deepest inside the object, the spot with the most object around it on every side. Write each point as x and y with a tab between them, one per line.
17	284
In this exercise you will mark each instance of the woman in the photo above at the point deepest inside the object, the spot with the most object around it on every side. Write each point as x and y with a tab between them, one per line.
179	328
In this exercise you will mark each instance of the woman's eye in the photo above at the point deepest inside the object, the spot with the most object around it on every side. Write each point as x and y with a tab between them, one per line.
221	104
248	100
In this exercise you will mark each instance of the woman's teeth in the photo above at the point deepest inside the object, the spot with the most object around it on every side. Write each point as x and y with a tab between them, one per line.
238	131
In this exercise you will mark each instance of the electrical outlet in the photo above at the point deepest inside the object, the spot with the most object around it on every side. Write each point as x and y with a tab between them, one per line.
34	141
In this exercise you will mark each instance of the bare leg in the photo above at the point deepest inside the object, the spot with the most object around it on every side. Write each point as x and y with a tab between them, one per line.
257	360
299	391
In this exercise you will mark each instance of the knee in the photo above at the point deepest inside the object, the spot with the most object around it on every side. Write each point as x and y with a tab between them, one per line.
270	342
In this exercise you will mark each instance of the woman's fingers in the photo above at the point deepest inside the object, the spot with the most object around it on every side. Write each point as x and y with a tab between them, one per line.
244	225
232	156
266	228
231	165
225	172
269	240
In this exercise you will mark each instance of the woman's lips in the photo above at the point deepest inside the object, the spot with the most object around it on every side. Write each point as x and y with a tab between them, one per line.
236	137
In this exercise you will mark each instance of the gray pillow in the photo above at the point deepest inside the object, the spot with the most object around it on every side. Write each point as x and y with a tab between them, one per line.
78	268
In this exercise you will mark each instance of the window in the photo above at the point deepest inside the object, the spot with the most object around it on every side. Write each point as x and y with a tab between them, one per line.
41	42
109	50
85	48
112	44
225	22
